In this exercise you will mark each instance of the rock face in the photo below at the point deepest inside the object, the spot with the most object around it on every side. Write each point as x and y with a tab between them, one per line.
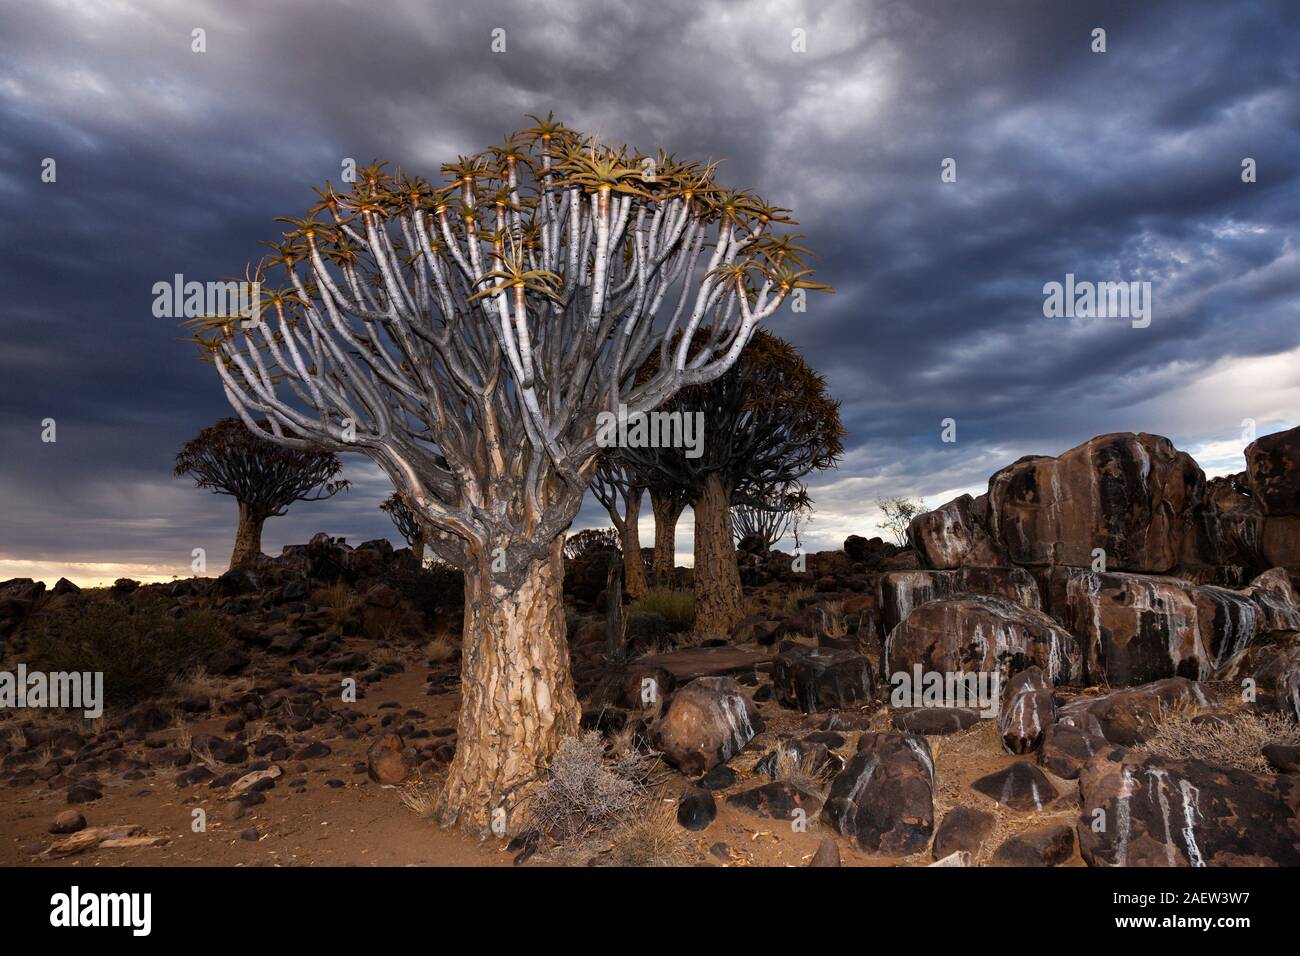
1049	845
1161	812
819	678
1027	709
884	798
978	633
902	591
708	722
1136	629
1066	748
1130	716
1130	495
955	534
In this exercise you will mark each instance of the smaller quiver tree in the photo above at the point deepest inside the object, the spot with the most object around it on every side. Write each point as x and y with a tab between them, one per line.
265	479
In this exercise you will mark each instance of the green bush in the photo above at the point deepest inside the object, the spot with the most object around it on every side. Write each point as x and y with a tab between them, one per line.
676	607
138	647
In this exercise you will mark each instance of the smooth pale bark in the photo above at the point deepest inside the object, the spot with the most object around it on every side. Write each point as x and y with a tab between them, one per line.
517	698
633	563
248	537
719	600
667	509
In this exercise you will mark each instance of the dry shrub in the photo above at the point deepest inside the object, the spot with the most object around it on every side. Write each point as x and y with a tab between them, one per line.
1234	742
649	837
583	792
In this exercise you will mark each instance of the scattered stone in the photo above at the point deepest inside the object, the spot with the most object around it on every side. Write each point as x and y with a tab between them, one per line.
387	761
697	809
1021	786
69	821
963	829
1048	845
780	799
828	854
1028	707
934	721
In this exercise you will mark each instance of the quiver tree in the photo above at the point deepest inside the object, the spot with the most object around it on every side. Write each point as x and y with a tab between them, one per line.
407	523
265	479
618	489
765	516
465	336
767	423
667	502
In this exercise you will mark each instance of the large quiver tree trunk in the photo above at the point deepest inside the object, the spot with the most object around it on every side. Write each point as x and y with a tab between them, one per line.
517	698
667	509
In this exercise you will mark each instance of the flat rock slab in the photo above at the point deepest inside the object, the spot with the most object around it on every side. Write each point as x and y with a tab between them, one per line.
692	662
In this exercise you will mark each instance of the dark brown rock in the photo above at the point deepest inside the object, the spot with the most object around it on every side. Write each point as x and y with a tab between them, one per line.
828	854
708	722
387	761
977	633
779	799
1049	845
1066	748
1130	716
813	679
902	591
1027	709
1021	786
1145	810
884	798
962	829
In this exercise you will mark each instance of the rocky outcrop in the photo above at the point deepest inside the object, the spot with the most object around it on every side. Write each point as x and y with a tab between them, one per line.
884	798
978	633
902	591
1137	628
708	722
1145	810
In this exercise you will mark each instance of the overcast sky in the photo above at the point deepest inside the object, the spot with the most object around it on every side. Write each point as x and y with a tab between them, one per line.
1117	166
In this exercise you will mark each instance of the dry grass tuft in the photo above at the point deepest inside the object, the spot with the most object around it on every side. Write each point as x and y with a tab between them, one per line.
420	799
649	837
440	650
336	600
1236	742
802	772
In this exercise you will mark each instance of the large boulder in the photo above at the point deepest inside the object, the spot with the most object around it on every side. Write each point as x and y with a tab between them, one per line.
1137	628
1273	472
708	722
902	591
884	798
979	633
1028	708
1146	810
955	534
1130	495
821	678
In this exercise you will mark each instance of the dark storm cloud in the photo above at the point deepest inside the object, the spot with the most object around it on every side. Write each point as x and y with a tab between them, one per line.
1116	166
